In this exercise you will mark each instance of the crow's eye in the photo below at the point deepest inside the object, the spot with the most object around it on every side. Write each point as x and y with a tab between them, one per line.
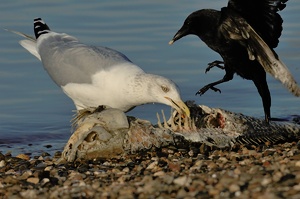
165	88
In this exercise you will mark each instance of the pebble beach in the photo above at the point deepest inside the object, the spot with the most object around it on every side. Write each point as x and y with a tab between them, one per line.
201	172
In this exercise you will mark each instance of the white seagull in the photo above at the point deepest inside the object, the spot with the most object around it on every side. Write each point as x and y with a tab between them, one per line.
92	76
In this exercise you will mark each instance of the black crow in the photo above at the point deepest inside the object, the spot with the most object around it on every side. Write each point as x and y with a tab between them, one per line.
244	33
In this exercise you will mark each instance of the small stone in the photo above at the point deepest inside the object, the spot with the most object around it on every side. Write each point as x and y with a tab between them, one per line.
159	173
23	156
10	180
191	153
106	163
297	187
126	170
214	192
2	163
2	157
266	164
183	181
41	158
44	181
266	181
168	179
25	175
41	165
152	165
212	166
237	171
198	163
48	168
10	172
298	144
223	159
181	193
175	167
29	193
237	194
44	154
297	164
268	152
245	162
33	180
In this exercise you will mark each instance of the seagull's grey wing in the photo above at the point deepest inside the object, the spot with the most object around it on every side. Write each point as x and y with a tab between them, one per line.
263	16
69	61
235	27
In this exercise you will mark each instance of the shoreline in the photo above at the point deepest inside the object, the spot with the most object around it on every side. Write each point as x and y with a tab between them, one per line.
260	172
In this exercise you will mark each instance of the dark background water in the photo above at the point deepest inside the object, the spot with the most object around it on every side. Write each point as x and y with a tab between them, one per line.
35	113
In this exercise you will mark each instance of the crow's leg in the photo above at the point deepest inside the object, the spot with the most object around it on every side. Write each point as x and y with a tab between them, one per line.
263	90
228	76
213	64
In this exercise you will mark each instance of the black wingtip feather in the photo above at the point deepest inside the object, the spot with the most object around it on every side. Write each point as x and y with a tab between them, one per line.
40	27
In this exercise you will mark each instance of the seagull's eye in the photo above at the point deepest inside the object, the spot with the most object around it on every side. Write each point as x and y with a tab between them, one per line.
165	88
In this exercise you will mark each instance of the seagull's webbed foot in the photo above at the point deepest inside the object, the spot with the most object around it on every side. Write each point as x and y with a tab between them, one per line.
99	109
213	64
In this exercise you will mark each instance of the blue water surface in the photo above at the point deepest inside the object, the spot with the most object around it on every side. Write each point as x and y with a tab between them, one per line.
35	113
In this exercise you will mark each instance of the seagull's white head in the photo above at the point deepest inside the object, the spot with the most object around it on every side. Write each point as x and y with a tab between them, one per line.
165	91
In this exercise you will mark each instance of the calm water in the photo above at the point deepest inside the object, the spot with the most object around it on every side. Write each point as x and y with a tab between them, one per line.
35	113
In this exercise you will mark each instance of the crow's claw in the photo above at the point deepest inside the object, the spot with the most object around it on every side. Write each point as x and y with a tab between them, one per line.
205	88
213	64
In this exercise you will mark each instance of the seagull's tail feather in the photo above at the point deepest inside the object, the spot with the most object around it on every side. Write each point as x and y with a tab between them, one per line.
40	27
29	43
31	47
22	35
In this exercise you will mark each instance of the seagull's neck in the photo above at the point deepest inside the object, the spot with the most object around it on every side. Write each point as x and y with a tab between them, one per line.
141	91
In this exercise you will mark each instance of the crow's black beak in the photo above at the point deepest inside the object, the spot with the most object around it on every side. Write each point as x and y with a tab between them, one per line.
181	33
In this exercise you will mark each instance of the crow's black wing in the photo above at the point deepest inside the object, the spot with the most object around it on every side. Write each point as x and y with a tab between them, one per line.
234	27
262	16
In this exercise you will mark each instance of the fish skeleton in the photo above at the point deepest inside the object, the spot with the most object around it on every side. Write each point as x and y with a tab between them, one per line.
109	132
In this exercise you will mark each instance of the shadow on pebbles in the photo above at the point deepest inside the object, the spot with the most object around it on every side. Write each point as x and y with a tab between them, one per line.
253	172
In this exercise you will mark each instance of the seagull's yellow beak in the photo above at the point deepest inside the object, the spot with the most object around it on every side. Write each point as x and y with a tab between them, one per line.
180	106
